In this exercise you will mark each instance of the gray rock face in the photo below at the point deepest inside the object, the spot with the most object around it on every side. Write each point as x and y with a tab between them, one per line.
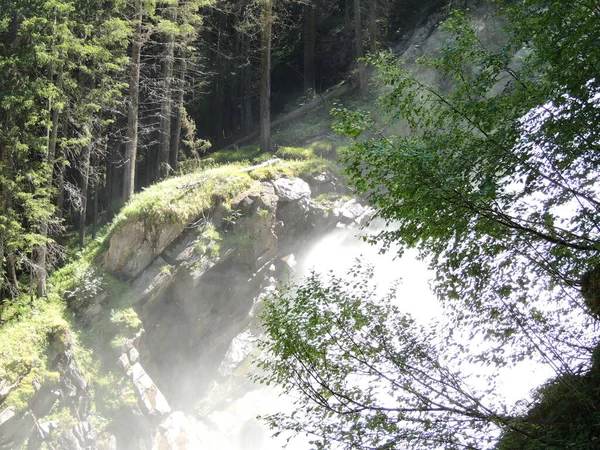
194	316
71	391
325	183
291	190
152	400
79	437
134	247
152	281
352	212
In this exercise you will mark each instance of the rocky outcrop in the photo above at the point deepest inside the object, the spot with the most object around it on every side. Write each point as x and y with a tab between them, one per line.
197	290
133	247
71	391
198	298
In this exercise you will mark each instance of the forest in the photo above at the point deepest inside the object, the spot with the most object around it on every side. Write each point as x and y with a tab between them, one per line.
148	202
103	98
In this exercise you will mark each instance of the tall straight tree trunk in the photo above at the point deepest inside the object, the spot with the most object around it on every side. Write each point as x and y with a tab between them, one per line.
347	21
42	250
310	40
219	81
234	89
265	75
111	177
373	26
178	112
85	178
133	105
60	184
164	133
96	186
362	69
247	87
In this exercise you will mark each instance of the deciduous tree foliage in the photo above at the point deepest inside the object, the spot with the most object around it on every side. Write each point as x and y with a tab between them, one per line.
497	185
367	375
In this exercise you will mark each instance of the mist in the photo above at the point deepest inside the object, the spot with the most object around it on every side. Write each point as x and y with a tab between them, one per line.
231	419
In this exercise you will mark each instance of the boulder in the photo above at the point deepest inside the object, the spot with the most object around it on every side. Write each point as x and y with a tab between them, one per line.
254	230
135	245
352	212
325	182
289	190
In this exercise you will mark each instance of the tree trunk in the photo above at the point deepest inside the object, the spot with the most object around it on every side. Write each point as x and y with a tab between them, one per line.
362	69
347	21
373	26
219	80
85	178
42	250
177	113
96	187
265	76
164	132
310	39
247	87
111	177
133	106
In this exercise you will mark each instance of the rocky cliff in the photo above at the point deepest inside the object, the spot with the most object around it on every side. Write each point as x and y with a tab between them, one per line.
179	330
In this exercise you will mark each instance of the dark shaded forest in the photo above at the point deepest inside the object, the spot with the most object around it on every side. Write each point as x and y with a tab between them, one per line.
101	98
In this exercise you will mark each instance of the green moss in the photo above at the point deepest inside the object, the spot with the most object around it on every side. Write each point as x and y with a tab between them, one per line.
208	242
126	319
295	168
261	212
64	419
166	269
113	392
232	240
268	173
317	149
24	346
184	198
294	153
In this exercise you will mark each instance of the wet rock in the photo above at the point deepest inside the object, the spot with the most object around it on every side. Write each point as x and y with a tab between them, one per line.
46	428
352	212
132	342
14	428
6	414
241	347
152	281
176	433
294	213
5	389
134	355
325	183
124	363
79	437
153	402
256	240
